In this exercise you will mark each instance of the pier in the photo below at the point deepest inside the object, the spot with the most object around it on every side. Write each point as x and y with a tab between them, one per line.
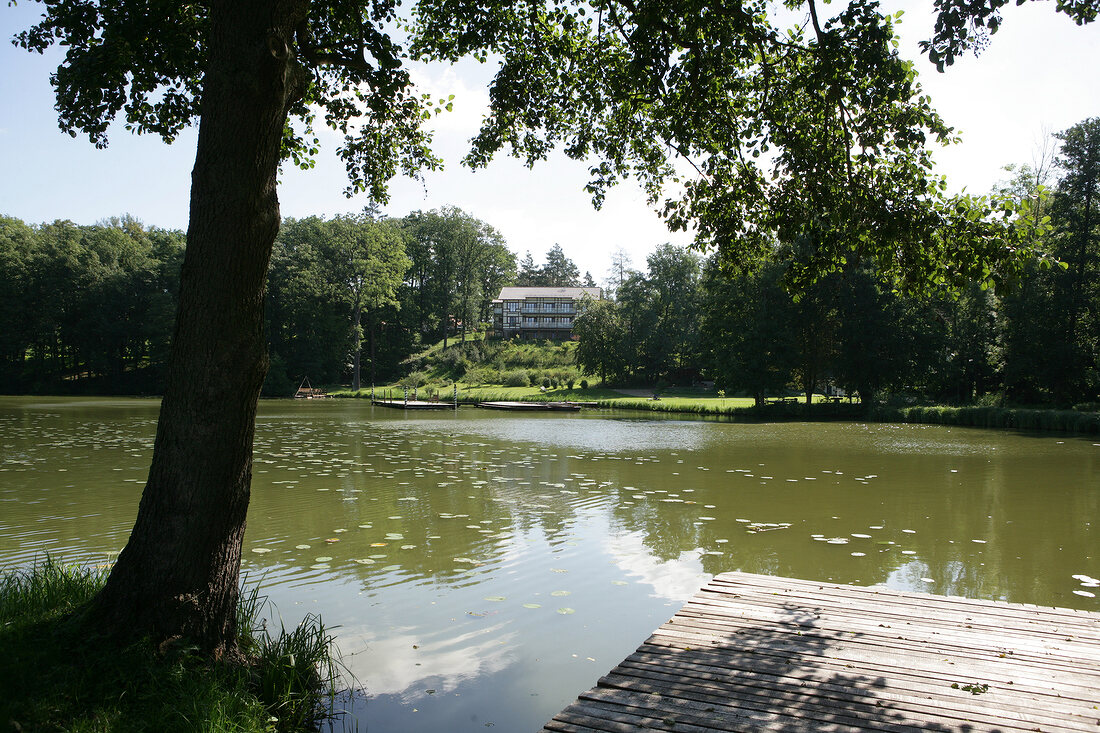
754	652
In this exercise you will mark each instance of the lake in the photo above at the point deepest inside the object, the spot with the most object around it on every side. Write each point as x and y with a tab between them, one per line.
480	569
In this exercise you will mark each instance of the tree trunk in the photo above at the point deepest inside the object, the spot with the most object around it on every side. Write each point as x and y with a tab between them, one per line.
177	577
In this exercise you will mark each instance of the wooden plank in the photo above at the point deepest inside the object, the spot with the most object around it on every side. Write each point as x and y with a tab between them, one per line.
805	704
752	652
1078	658
879	659
745	583
855	696
902	678
807	610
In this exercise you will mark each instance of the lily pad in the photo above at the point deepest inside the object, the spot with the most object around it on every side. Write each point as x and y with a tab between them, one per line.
495	599
532	605
301	547
261	550
566	611
322	558
560	593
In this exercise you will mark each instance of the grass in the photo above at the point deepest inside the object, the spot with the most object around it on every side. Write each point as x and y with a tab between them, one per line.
1069	421
55	676
704	403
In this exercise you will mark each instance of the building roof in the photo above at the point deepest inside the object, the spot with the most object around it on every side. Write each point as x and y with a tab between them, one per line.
519	293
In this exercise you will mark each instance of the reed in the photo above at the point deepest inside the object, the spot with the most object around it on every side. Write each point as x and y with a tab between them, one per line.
57	675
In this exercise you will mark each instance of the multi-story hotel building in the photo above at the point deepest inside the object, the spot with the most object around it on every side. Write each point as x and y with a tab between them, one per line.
538	313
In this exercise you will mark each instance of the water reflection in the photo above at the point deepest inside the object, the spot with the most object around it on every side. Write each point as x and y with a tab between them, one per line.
481	567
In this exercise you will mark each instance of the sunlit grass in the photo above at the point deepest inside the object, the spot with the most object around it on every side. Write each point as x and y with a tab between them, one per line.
57	675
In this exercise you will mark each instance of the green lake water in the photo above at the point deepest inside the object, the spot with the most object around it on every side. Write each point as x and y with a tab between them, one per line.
480	569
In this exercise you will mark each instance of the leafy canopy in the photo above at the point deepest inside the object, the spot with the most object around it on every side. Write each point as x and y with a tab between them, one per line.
750	124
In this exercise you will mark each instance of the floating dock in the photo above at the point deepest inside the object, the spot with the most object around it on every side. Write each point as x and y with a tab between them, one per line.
414	404
543	406
760	653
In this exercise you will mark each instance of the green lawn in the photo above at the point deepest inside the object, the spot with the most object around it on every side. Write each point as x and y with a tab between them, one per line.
671	400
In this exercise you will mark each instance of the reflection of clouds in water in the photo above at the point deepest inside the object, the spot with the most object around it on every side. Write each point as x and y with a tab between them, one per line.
677	580
391	663
598	434
950	579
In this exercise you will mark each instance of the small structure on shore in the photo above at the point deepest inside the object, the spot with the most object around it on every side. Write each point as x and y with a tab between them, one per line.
306	391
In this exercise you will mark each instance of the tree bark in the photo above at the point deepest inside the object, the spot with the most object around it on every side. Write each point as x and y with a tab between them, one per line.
177	577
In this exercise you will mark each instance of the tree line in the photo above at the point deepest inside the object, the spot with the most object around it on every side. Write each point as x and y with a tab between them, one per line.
1036	342
348	299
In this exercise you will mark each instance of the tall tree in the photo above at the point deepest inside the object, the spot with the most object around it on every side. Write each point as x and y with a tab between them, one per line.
621	266
366	263
560	271
529	274
498	269
599	328
1076	207
748	328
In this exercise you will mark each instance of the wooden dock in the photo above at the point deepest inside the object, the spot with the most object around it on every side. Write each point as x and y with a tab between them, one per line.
754	652
414	404
531	406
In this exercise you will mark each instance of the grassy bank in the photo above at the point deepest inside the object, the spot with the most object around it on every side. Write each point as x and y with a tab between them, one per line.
694	402
56	676
1069	421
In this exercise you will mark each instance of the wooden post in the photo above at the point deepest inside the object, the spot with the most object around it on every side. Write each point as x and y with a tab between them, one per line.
456	395
406	396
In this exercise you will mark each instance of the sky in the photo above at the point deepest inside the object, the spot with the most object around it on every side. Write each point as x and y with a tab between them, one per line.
1038	76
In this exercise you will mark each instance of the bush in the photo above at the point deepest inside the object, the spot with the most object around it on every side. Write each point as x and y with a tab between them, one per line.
570	383
516	378
481	375
584	384
547	382
414	379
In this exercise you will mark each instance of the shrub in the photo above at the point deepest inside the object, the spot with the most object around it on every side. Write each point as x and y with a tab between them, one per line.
570	383
414	379
480	375
515	378
584	384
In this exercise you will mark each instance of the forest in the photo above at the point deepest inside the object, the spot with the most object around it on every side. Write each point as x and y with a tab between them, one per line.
89	309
